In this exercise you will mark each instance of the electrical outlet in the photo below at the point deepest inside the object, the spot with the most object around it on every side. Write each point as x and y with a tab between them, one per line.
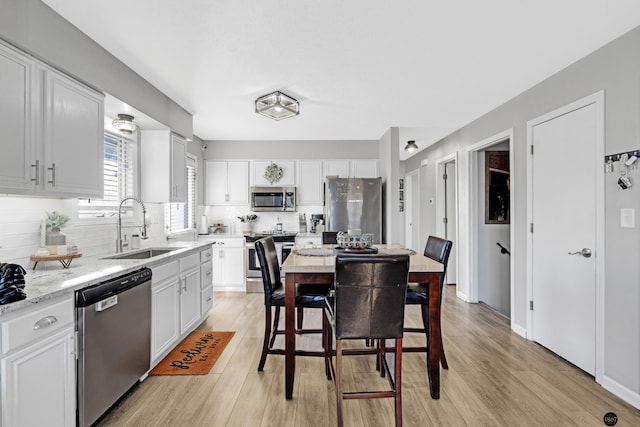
627	218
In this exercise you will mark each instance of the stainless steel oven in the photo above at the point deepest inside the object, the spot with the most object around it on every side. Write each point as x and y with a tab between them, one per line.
284	244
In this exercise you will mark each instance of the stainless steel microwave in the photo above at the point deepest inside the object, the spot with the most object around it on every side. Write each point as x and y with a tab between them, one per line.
273	199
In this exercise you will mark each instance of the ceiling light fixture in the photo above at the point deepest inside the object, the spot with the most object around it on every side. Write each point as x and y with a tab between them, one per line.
125	124
277	106
411	146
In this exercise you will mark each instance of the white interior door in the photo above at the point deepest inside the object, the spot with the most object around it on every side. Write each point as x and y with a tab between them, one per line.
563	286
451	227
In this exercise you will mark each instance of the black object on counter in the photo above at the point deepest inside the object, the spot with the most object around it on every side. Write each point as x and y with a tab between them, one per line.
11	283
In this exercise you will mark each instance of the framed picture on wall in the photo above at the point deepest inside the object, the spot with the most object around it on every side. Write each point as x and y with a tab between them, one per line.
496	187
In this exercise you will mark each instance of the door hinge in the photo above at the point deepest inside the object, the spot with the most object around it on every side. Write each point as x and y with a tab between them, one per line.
531	228
445	220
532	149
444	176
531	305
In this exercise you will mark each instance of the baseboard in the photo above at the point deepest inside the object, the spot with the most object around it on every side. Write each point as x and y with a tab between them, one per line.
519	330
623	392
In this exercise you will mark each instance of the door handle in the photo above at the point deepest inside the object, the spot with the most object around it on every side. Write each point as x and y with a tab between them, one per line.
585	252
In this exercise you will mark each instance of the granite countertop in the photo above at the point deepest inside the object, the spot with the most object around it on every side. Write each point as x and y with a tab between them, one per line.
50	280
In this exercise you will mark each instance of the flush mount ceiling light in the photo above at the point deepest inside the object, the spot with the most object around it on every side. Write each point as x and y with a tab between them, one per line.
411	146
125	124
277	106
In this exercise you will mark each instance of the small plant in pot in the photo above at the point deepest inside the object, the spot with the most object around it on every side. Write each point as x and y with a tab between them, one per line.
246	221
55	221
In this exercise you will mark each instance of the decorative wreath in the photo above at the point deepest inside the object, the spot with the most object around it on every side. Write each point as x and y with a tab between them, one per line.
273	173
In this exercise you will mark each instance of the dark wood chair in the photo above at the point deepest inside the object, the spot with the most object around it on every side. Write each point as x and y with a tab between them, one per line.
329	237
418	293
369	303
274	299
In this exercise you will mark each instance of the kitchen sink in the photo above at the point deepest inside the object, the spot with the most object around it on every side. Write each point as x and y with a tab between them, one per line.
143	254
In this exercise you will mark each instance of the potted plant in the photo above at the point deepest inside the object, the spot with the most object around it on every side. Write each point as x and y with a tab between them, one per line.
55	221
246	221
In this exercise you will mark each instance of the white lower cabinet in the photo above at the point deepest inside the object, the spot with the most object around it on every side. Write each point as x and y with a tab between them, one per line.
206	281
37	368
178	301
228	264
165	309
189	292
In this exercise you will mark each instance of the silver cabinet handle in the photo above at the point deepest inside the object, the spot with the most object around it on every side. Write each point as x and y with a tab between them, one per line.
208	273
53	174
44	322
37	167
585	252
208	254
209	298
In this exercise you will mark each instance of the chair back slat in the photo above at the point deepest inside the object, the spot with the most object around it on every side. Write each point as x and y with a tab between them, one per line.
269	266
370	296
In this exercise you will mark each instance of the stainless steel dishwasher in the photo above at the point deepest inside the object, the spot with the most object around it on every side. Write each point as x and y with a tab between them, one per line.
113	321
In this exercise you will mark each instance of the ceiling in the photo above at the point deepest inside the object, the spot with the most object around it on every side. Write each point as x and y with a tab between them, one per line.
357	67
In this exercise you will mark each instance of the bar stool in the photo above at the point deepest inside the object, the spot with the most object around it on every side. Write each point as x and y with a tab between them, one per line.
369	303
274	297
418	293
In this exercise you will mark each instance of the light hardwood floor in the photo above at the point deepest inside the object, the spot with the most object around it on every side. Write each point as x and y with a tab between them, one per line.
496	378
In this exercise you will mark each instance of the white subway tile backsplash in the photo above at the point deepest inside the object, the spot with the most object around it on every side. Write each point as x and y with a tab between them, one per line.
21	219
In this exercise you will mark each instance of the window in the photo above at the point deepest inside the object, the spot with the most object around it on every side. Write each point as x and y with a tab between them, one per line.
182	216
120	171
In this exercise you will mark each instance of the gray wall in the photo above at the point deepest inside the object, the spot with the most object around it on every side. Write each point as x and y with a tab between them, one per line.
616	69
292	150
34	27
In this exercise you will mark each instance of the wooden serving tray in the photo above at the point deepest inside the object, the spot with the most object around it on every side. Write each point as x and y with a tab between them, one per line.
65	260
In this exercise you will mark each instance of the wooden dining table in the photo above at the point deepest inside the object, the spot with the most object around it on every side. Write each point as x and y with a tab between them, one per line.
316	265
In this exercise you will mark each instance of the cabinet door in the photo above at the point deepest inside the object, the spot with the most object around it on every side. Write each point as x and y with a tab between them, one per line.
233	267
238	183
73	138
165	317
38	383
310	181
18	89
258	170
189	299
178	169
364	168
216	183
339	168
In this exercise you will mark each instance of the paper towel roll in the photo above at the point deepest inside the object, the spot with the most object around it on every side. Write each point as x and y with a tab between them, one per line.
204	225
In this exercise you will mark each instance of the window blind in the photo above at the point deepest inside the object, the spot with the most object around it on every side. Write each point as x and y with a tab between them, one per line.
182	216
120	172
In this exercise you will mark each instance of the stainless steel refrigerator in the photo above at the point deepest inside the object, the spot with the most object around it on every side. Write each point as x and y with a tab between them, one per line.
354	203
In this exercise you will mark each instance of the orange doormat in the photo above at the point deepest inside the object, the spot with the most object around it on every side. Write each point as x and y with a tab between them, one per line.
195	355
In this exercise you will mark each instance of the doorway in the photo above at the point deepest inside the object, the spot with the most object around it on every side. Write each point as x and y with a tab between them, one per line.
491	235
566	239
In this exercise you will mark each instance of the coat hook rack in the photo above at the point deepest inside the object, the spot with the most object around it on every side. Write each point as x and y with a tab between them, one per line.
616	157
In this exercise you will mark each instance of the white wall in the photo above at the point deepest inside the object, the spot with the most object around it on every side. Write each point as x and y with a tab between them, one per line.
616	69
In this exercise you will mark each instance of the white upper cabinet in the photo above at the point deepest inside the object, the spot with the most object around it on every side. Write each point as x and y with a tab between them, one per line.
164	170
259	167
227	183
52	131
310	188
339	168
17	118
364	168
73	138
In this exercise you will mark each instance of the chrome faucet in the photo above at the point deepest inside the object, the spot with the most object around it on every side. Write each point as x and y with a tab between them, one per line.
119	243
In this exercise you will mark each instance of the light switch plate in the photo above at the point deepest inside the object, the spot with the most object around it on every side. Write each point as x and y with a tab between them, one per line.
627	218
